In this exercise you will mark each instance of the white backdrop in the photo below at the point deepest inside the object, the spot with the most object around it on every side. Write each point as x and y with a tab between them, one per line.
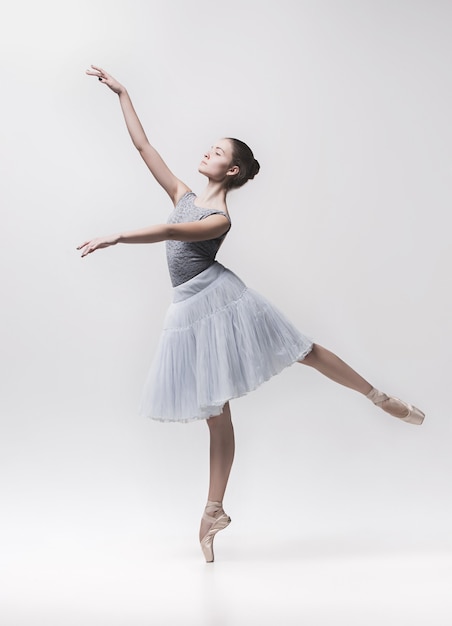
347	107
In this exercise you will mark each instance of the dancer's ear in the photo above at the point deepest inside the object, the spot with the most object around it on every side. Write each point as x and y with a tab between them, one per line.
233	171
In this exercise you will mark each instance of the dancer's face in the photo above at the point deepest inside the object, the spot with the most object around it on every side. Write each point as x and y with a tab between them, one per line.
217	161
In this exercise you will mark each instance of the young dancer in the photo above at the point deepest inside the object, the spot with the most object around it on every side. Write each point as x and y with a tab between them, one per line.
220	338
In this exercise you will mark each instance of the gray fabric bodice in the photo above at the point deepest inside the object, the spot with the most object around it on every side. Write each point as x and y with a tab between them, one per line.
187	259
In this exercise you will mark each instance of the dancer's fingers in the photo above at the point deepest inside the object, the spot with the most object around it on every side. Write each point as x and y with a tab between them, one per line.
88	249
98	71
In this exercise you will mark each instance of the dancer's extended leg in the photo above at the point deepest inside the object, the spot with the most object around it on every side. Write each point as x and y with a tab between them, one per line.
333	367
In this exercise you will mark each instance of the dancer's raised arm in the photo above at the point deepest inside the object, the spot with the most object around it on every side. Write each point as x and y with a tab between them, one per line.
174	187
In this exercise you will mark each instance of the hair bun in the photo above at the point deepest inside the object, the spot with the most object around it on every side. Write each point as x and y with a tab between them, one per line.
255	168
243	157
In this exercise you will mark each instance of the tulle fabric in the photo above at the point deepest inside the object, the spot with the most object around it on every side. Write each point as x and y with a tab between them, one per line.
220	341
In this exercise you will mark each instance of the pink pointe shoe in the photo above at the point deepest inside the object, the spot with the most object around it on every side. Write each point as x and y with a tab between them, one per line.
393	405
217	523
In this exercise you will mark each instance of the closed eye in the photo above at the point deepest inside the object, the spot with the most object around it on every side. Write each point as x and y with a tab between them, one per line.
218	150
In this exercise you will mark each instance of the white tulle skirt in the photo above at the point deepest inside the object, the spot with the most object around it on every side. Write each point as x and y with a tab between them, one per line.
220	341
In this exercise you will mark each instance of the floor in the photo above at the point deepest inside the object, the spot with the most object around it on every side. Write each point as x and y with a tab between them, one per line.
317	581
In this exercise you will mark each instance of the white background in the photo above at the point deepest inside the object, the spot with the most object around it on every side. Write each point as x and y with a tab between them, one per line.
341	514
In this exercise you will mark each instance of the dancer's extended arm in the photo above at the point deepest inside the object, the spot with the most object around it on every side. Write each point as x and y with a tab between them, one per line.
174	187
209	228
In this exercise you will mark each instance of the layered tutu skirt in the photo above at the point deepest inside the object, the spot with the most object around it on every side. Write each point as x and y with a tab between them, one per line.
220	341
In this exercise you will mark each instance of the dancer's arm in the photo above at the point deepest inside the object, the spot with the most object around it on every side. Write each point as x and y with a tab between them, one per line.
174	187
209	228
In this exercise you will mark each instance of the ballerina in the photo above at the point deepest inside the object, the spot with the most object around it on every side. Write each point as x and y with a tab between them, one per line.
221	339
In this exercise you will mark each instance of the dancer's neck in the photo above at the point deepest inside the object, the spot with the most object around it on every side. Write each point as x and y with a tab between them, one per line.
213	197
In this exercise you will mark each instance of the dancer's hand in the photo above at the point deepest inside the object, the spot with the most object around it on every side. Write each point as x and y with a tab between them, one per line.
106	79
100	242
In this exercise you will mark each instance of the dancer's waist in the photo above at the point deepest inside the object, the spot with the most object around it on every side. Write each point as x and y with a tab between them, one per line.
198	283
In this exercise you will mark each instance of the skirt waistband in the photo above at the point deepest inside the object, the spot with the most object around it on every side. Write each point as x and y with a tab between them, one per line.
198	282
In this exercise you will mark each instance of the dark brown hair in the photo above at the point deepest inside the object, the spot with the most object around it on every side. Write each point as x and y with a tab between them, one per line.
243	157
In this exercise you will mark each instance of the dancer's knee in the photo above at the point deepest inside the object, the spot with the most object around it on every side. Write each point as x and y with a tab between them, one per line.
221	421
311	358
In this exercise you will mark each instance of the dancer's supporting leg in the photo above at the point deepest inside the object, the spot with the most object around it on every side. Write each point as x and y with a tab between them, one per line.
222	447
333	367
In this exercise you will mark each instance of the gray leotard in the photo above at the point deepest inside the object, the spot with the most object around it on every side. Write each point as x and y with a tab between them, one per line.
187	259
